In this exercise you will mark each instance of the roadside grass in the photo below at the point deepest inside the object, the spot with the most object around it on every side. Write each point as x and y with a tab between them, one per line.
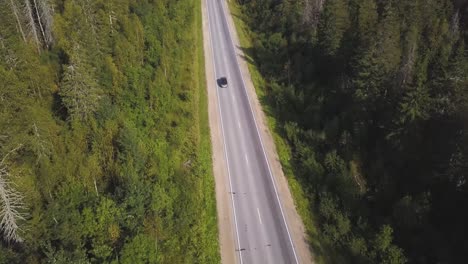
302	200
204	149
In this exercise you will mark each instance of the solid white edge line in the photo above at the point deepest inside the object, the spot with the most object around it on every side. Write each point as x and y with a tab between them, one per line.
258	133
224	138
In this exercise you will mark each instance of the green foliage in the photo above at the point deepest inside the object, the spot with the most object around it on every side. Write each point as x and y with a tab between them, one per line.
142	249
384	251
78	90
115	165
333	23
367	18
371	98
413	106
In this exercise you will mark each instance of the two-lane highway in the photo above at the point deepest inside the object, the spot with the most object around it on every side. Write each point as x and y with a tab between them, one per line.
261	232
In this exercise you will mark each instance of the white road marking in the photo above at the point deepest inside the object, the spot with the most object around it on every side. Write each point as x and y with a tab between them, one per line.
224	137
258	133
238	124
259	217
246	159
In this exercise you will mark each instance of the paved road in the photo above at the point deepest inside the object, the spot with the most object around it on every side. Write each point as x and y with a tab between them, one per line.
261	232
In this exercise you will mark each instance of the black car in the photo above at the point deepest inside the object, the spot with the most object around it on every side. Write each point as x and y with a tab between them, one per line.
222	82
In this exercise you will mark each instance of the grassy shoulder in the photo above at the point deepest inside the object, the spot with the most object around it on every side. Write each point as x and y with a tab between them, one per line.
301	200
204	149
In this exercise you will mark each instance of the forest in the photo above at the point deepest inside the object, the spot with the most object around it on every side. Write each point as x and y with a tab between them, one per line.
371	98
105	153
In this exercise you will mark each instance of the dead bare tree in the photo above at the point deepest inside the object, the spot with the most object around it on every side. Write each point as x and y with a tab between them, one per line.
311	13
406	71
455	25
38	17
28	13
41	27
79	90
112	19
41	148
11	59
12	203
14	8
44	20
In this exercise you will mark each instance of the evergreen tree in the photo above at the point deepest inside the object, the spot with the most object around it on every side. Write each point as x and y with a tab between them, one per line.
334	22
374	116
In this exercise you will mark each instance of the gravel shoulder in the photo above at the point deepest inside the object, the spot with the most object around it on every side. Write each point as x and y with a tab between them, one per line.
223	202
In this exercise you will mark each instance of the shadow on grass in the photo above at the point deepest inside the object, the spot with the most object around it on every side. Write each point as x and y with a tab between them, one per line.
236	16
248	54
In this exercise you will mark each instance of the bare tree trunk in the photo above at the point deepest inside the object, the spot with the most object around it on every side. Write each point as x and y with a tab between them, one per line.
44	19
95	186
47	20
32	26
39	18
406	70
455	25
311	13
111	20
15	11
12	204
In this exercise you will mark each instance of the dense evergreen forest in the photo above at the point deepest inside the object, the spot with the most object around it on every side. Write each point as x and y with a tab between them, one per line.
104	140
371	96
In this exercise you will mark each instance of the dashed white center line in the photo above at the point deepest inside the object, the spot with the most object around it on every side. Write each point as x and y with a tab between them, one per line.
246	159
238	123
259	217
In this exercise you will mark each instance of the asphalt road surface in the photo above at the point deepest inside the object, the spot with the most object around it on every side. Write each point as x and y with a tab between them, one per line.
261	232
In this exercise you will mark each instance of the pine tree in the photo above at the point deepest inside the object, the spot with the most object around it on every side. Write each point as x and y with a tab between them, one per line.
367	22
334	21
388	47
